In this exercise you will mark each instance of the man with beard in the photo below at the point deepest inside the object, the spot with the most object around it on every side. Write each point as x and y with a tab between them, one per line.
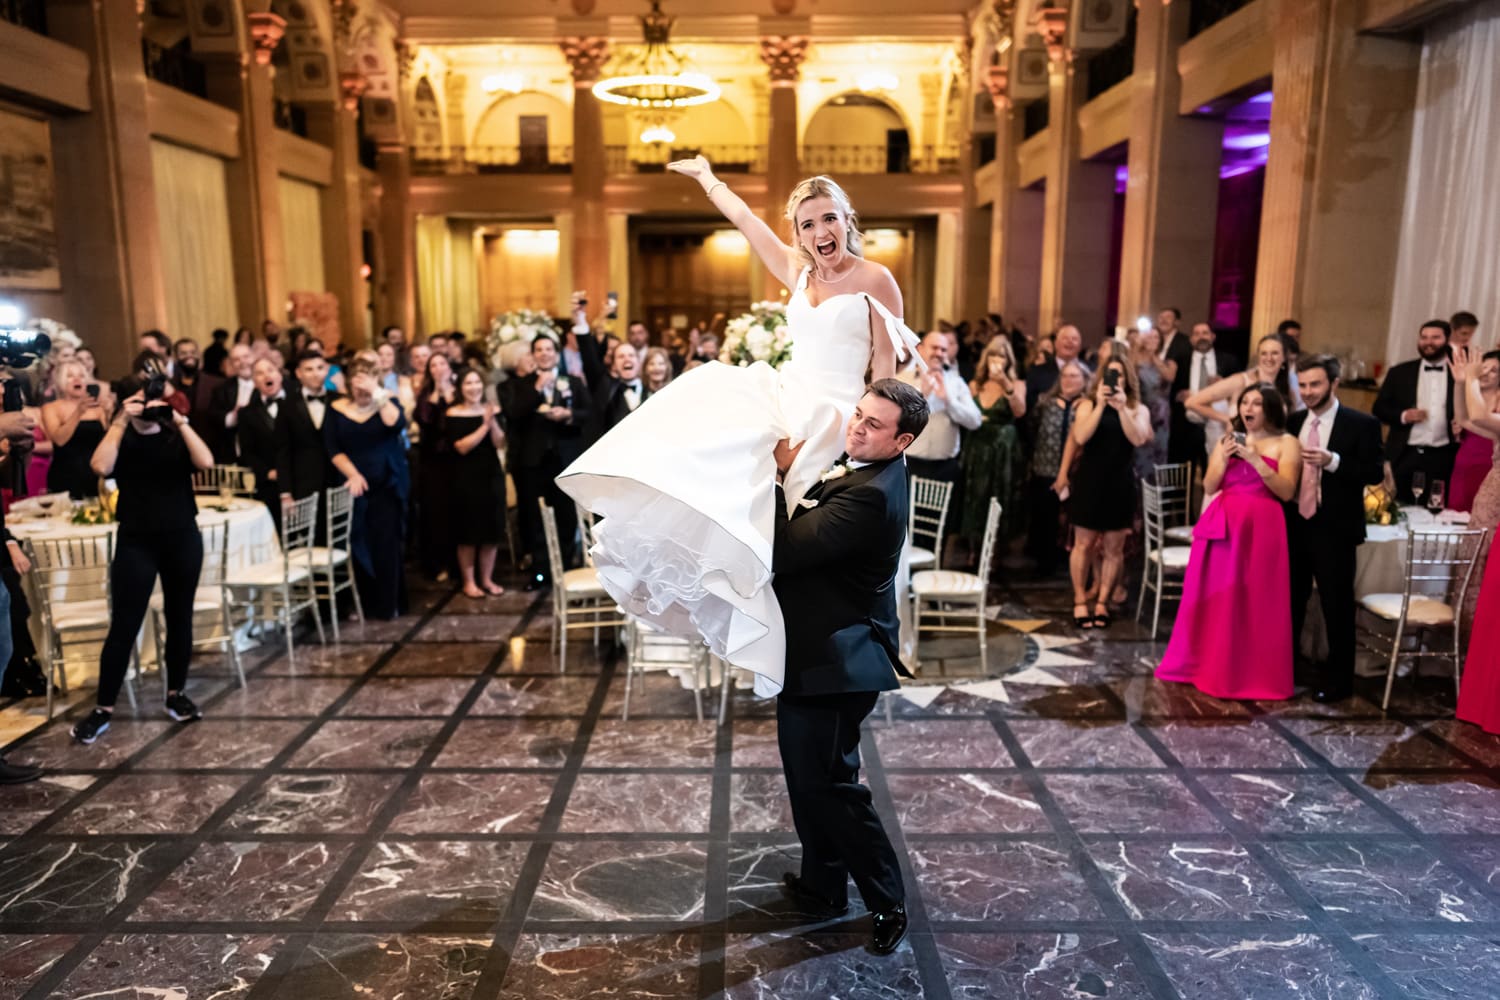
1416	403
197	386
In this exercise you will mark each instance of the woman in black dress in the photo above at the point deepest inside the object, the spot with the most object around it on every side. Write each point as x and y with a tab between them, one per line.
478	502
363	434
74	423
434	528
1111	424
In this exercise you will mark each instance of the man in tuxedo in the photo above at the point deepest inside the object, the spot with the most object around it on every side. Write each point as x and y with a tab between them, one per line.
228	399
1202	366
263	438
835	561
1416	403
308	469
1067	346
617	390
1326	523
197	387
1176	344
550	413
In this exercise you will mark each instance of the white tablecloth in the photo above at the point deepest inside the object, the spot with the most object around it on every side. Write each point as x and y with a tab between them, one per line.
1381	564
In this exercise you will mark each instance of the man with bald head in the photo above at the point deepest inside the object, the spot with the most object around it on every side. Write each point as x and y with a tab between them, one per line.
951	407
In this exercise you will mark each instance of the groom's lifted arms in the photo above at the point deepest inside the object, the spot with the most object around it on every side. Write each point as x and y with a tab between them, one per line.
836	559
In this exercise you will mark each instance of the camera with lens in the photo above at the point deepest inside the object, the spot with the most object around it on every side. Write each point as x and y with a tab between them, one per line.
18	349
153	382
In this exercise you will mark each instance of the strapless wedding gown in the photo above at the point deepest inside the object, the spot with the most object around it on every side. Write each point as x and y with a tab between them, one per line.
686	486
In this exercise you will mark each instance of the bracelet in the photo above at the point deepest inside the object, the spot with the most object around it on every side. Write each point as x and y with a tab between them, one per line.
715	184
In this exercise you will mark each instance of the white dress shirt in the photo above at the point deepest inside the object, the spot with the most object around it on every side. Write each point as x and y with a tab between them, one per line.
1432	396
246	390
1203	369
315	407
940	441
1325	431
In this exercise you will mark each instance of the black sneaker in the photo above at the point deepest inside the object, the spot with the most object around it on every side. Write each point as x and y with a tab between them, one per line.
181	708
94	725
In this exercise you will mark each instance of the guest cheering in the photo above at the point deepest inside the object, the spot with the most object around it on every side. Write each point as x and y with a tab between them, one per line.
550	412
1052	426
1270	369
1110	425
363	432
151	451
478	503
1416	403
74	422
435	552
1233	635
991	457
1477	445
658	369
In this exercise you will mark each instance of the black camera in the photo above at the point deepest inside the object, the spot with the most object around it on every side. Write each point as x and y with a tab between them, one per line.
19	348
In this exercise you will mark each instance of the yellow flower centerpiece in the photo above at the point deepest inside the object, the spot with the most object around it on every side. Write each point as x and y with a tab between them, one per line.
1381	506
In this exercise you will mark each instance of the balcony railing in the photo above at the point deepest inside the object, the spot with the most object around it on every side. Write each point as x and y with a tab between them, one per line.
289	117
653	158
493	160
942	159
1034	118
28	14
1113	65
1204	14
174	66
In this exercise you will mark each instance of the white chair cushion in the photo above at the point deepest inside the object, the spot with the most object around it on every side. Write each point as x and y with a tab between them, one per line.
1421	611
946	583
1173	556
204	599
922	558
80	614
583	582
1180	533
320	556
269	574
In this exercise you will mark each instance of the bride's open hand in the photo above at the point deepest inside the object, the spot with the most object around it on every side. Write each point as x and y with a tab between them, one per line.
697	168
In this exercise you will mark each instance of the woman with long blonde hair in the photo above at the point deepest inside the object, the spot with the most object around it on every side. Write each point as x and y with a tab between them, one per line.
991	457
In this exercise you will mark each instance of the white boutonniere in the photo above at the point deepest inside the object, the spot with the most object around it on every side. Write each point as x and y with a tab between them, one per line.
838	470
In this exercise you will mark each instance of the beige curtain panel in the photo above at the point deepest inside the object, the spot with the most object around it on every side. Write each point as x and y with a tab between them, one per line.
196	254
302	235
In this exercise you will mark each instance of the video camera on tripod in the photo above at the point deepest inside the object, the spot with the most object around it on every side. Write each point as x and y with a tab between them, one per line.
19	347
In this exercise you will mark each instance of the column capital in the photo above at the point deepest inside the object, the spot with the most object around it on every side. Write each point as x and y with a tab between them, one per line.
352	85
783	56
997	82
266	32
406	59
585	55
1052	24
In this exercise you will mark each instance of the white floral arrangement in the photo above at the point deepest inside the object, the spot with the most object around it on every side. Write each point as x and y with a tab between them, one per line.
520	326
758	335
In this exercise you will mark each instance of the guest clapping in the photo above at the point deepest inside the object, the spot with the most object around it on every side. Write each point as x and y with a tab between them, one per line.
1052	429
1270	369
435	552
550	412
477	508
75	423
1476	447
992	460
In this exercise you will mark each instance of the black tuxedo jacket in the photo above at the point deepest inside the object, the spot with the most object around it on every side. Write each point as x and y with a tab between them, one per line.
220	404
1355	437
309	468
263	444
1180	347
610	406
539	438
1398	393
835	566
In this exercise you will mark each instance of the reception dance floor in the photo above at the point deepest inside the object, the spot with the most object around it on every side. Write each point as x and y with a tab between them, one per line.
433	811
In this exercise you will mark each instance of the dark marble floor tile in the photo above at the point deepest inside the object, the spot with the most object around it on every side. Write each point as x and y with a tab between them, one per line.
1056	703
509	743
1383	881
1283	965
1146	697
185	966
1304	706
1469	738
777	966
313	803
947	743
282	696
1293	803
536	696
1437	966
25	958
1038	967
26	805
758	803
661	694
367	743
466	658
511	603
526	655
1108	743
610	880
965	803
52	748
1227	743
1204	879
1372	744
376	631
152	803
343	659
468	628
639	803
404	966
1447	803
620	967
1480	855
458	802
755	744
432	880
408	696
74	881
216	743
1011	880
754	883
1129	803
244	880
652	743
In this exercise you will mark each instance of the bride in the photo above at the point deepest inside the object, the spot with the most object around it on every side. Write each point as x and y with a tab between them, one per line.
686	487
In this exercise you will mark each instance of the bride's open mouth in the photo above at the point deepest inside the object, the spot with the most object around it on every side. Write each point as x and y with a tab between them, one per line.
827	248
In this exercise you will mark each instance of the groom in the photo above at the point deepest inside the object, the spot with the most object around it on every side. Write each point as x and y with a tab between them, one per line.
835	561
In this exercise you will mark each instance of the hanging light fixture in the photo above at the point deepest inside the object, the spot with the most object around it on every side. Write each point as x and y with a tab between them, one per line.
655	76
658	132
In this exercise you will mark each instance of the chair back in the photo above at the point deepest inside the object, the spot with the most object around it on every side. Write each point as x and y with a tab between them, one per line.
554	547
299	523
235	479
1175	483
215	554
928	513
586	532
1154	518
987	546
1440	563
340	517
65	570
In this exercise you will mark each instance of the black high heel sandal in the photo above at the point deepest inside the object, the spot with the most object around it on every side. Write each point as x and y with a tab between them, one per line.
1084	621
1102	620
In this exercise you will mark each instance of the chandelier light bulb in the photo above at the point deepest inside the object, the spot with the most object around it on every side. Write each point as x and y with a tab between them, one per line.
658	133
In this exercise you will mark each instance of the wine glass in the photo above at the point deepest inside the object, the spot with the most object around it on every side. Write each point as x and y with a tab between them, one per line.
1435	496
1418	485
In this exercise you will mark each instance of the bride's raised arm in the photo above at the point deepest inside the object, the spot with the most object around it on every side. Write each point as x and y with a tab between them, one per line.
779	258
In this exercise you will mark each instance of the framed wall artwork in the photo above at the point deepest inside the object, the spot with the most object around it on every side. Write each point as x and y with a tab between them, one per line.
28	233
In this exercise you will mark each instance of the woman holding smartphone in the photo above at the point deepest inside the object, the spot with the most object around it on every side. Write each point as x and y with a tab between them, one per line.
75	423
1233	635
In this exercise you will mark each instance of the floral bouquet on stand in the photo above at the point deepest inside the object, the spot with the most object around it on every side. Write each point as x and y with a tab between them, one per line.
1381	506
759	335
512	333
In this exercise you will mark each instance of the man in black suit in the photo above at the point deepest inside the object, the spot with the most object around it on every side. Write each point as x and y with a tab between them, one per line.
1067	346
263	438
835	561
309	470
1416	403
617	390
1176	344
1326	523
550	413
1202	366
227	400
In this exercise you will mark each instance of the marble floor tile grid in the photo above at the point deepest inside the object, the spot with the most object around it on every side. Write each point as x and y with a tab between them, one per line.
435	809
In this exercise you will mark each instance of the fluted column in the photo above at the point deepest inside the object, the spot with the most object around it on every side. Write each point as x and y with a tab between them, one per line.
590	223
396	301
333	125
1007	139
783	56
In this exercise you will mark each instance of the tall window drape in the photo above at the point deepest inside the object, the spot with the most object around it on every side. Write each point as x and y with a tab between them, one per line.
447	275
302	235
192	208
1449	257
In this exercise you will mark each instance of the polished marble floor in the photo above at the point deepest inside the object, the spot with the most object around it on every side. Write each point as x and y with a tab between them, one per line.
434	811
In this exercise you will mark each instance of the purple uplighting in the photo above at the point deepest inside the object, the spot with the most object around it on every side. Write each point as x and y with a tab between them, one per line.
1247	136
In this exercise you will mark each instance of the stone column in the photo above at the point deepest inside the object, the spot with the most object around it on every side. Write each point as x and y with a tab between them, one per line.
110	255
1006	136
591	225
783	56
396	301
243	81
1172	194
333	125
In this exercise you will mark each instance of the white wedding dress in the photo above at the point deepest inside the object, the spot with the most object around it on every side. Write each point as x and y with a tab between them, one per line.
686	486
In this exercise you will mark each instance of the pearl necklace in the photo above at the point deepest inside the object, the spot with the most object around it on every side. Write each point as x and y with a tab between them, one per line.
834	281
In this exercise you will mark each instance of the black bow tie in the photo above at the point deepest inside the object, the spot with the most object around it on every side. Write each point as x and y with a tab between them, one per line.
314	395
268	400
634	384
1433	368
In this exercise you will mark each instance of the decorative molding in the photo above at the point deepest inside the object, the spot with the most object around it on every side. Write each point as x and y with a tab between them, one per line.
406	59
266	31
783	56
997	82
1052	24
586	57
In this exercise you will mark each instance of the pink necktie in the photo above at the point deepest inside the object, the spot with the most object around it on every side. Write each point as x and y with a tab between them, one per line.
1312	475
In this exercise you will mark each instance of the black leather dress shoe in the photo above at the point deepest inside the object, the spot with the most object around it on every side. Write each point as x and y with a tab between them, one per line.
814	904
17	774
1333	692
890	929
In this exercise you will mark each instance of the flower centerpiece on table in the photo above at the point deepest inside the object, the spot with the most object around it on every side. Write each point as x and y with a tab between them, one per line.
758	335
1381	506
518	327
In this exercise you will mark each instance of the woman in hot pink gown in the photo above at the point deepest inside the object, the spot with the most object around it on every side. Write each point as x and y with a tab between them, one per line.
1479	692
1233	634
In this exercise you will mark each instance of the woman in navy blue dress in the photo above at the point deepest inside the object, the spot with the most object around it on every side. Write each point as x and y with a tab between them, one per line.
363	434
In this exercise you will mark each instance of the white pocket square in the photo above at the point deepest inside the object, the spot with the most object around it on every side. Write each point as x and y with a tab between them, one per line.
804	502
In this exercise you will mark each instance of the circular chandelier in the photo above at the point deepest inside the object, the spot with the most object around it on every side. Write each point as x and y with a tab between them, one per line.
656	76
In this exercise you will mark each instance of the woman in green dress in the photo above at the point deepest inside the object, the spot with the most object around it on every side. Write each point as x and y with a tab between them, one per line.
992	460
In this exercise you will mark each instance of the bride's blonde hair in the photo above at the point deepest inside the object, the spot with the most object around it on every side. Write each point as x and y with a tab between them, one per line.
824	187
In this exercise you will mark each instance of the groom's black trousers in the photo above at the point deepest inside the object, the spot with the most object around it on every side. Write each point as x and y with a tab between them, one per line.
841	834
1317	553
